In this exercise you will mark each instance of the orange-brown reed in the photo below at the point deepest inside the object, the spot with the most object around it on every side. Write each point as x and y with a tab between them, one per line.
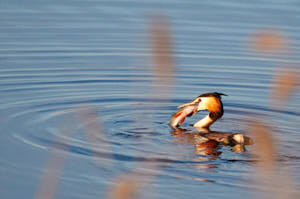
162	54
132	185
129	186
54	166
275	182
285	83
270	41
94	130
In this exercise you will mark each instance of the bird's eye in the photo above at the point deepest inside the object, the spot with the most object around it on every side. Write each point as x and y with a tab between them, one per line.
199	100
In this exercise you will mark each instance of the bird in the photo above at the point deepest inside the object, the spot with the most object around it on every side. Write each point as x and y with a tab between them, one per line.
208	101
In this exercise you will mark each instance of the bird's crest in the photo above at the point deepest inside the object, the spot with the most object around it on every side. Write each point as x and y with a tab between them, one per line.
214	94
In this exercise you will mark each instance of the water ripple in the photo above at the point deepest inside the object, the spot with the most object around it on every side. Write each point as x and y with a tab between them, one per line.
59	57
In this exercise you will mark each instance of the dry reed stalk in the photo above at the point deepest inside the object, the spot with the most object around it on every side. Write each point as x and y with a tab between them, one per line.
94	129
275	181
164	66
127	187
264	147
51	176
270	41
133	184
54	167
130	186
266	169
285	83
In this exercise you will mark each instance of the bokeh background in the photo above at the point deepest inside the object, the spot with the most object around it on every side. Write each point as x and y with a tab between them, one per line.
80	106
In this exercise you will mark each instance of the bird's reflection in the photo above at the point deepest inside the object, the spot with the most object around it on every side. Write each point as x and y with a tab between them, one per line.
207	143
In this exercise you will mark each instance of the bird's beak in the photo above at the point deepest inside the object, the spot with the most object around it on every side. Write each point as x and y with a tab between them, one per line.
201	107
194	102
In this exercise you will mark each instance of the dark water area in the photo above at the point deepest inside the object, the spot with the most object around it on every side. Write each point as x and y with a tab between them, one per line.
57	57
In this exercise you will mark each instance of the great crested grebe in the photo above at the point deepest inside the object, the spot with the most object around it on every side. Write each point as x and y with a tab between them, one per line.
204	138
207	101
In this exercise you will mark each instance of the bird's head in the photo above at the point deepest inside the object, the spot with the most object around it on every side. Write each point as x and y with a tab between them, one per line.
207	101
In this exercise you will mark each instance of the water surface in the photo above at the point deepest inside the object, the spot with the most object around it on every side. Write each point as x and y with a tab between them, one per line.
57	57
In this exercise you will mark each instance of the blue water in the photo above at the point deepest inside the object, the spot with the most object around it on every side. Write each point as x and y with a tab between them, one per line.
59	57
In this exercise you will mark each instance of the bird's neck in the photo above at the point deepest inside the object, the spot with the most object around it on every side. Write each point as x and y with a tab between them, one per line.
204	123
209	119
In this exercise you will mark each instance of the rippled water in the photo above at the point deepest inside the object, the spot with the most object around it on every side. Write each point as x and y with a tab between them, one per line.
57	57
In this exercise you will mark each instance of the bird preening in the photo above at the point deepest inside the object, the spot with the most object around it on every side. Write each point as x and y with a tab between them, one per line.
207	101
